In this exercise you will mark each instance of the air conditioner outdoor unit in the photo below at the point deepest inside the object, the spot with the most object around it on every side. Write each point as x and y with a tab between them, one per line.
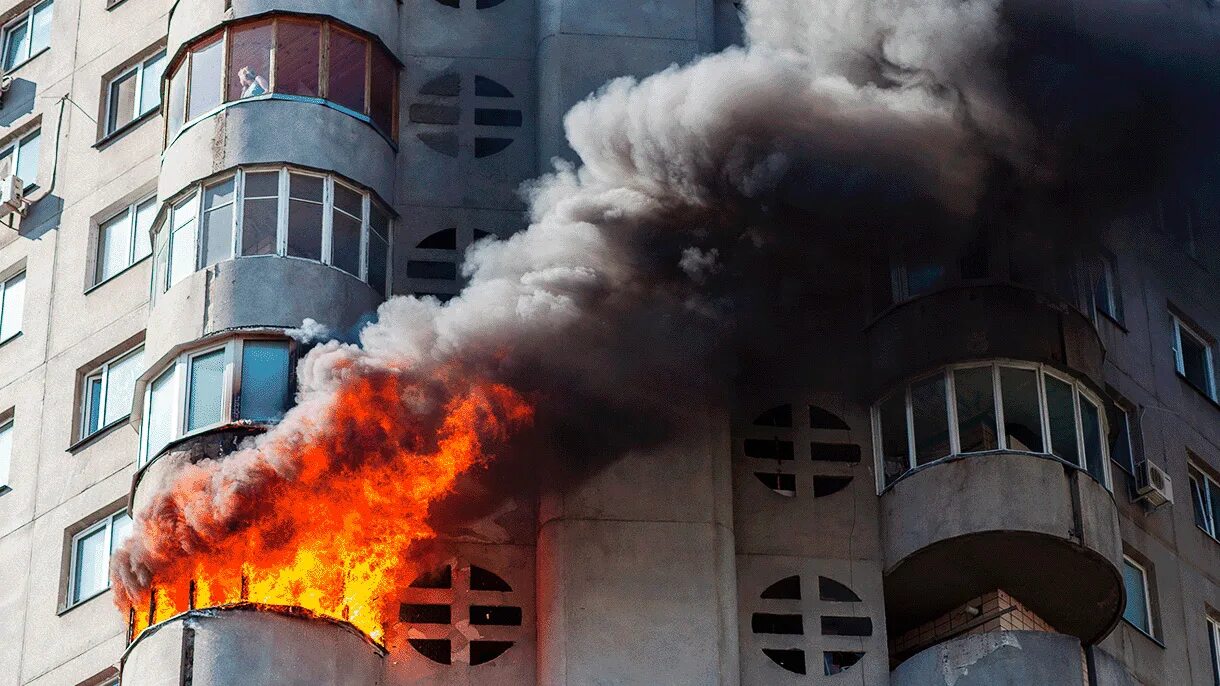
1156	487
12	195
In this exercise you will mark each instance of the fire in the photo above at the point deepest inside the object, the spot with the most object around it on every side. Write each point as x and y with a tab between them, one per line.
331	532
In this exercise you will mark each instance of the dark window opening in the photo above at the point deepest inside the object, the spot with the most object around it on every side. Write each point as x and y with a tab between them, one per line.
446	85
431	269
833	591
783	484
445	239
424	614
495	615
486	147
823	419
834	662
482	652
788	588
484	116
847	626
829	485
791	660
444	143
487	4
480	234
768	449
835	452
767	623
435	649
487	88
434	114
776	416
437	578
483	580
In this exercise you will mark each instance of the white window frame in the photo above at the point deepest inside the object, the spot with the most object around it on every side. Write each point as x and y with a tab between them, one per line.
102	373
108	523
132	212
1147	597
138	68
4	286
6	461
161	282
229	391
1193	476
27	18
14	148
1179	359
1041	371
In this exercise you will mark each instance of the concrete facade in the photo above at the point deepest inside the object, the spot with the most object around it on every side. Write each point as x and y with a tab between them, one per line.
769	549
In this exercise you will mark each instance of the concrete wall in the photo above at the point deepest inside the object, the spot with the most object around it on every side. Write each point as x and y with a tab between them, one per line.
1002	658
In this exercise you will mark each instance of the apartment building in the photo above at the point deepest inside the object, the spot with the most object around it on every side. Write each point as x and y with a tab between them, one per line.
1006	469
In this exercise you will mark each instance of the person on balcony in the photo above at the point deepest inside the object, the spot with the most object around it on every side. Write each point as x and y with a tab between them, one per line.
251	84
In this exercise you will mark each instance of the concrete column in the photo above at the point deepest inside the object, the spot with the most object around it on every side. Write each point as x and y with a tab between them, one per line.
636	570
584	43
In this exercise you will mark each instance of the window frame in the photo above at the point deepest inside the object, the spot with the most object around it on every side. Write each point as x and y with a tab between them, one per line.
1199	478
14	147
4	286
1106	282
133	212
26	17
1213	637
103	373
1147	587
110	128
161	281
955	452
6	461
1133	429
372	43
107	522
230	390
1179	357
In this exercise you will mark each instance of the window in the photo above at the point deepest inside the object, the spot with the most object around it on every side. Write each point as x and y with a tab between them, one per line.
27	35
91	551
242	379
1124	434
1213	644
134	92
12	306
974	408
1193	358
6	454
21	158
1205	498
289	57
1138	611
284	212
124	239
1106	295
107	392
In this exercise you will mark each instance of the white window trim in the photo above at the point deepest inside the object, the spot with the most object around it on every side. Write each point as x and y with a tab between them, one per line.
27	18
161	280
138	68
132	212
4	286
86	401
229	391
1208	357
1193	474
6	465
106	522
947	375
1151	631
14	149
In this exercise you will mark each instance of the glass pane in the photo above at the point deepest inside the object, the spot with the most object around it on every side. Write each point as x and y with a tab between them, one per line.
146	213
120	530
6	161
182	240
378	256
296	58
42	28
264	380
1136	611
177	100
1199	499
92	562
349	201
1090	425
205	390
1120	438
1022	413
13	307
121	385
160	428
895	455
16	44
93	405
305	216
27	158
218	207
976	409
345	83
6	452
150	83
122	101
922	278
384	81
1062	414
1212	633
161	263
1214	500
113	246
1194	358
250	60
931	419
346	244
206	69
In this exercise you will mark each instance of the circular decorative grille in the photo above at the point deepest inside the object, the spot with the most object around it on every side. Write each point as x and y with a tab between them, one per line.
773	441
459	615
783	624
458	114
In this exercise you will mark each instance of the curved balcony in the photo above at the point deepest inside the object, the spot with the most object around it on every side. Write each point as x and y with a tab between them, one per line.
999	657
1039	529
981	321
252	645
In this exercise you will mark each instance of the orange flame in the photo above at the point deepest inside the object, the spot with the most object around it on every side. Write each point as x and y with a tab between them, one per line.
330	534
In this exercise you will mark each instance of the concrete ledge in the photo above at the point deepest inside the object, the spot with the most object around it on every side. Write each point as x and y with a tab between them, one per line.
271	130
191	18
981	322
254	647
1000	658
1030	525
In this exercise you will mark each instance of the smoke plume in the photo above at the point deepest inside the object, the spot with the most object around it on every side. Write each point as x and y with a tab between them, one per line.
711	201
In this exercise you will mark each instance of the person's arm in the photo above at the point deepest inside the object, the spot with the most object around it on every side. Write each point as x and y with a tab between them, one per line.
262	83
